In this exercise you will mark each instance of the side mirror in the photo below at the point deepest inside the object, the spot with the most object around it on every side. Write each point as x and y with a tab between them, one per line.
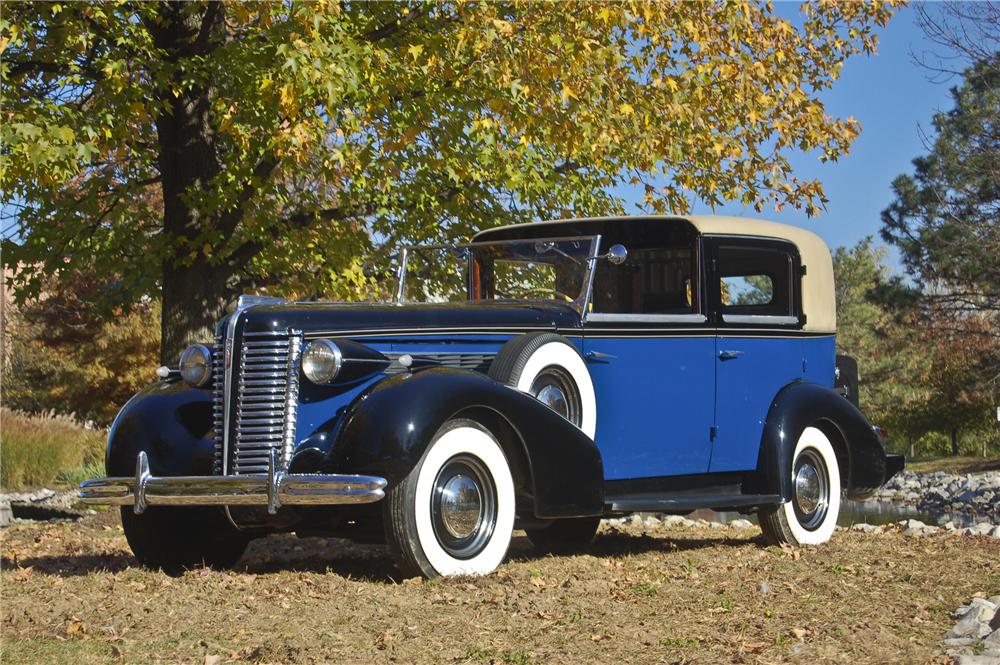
616	255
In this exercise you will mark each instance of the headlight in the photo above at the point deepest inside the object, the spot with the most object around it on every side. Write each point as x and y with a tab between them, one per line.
321	361
196	365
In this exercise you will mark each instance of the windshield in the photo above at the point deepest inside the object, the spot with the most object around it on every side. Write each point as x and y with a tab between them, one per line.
543	269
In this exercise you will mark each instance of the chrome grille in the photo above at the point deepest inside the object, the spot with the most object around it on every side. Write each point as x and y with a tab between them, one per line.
267	388
218	380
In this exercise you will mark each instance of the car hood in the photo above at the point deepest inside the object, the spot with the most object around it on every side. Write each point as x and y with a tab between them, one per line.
348	319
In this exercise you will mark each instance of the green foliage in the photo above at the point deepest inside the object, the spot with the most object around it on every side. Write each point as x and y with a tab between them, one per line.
36	450
214	148
944	219
67	358
917	378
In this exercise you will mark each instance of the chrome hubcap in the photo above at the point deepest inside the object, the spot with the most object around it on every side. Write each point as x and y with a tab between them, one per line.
812	489
554	398
807	488
461	506
555	388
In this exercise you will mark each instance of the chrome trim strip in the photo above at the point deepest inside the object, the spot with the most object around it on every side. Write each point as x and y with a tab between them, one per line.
388	332
602	317
760	319
247	490
291	398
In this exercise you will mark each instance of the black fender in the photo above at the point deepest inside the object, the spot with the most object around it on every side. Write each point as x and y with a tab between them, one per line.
172	423
388	428
859	451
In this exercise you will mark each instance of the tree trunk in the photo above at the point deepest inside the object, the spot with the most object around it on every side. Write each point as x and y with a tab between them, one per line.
913	447
954	442
195	290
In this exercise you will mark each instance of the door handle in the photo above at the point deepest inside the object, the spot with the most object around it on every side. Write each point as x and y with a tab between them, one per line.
729	355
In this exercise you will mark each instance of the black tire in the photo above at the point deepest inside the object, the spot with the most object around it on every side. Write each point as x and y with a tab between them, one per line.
549	367
176	539
430	538
565	535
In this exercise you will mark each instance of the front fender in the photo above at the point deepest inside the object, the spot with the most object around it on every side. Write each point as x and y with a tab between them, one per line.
800	405
172	423
387	430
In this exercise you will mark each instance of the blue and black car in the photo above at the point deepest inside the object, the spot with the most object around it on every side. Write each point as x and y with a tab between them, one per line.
540	377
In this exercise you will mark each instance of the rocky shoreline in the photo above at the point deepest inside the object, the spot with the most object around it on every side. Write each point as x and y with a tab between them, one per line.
974	495
975	639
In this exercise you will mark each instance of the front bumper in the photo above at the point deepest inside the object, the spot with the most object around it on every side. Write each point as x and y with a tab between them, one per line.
272	489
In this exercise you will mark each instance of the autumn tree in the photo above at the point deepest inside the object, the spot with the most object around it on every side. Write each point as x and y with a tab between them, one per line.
294	144
944	219
893	391
64	356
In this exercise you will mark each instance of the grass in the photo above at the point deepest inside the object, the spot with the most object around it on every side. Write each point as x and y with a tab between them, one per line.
47	450
953	464
72	594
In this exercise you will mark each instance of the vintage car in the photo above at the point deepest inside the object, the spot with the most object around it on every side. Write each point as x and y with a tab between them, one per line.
541	377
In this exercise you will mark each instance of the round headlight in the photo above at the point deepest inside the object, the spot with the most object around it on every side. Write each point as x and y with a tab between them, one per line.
196	365
321	361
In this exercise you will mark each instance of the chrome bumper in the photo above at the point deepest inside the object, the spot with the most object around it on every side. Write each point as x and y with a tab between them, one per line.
272	489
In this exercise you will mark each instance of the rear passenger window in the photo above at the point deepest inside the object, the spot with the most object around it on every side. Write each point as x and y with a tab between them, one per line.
756	281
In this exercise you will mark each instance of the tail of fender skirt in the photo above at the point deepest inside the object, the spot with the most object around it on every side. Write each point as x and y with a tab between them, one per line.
893	465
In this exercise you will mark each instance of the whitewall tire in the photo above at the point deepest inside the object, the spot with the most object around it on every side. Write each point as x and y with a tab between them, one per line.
454	513
809	517
550	368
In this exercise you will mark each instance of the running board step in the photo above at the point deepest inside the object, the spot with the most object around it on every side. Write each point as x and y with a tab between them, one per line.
673	503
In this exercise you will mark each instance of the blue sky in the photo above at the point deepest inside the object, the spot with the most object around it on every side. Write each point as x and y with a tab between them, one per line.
893	98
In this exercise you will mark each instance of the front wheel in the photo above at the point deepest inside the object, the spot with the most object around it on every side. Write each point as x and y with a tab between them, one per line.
174	539
810	516
453	514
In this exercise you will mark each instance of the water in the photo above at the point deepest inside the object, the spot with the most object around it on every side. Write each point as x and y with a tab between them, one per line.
858	512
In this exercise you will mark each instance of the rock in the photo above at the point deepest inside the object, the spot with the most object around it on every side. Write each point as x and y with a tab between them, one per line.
995	532
764	588
969	626
716	525
741	524
6	516
983	659
674	520
959	642
867	528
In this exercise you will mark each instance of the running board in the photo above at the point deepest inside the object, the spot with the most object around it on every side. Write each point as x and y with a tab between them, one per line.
685	503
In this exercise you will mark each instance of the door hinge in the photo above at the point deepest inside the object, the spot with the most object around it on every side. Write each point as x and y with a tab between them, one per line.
713	432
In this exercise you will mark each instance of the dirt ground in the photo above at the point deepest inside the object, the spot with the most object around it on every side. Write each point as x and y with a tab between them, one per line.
71	594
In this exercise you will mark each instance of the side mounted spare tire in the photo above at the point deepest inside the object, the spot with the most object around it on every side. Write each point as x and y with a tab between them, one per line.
549	367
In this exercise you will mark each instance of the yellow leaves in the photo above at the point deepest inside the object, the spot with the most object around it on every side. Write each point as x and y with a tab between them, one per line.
414	51
567	93
505	28
626	110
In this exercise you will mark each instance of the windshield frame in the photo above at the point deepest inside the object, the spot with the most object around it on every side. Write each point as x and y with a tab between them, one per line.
579	304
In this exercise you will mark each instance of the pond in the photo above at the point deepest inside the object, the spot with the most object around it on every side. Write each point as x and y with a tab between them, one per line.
857	512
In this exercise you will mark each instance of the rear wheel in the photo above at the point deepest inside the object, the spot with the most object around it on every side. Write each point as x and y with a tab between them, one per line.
564	535
810	516
175	539
453	514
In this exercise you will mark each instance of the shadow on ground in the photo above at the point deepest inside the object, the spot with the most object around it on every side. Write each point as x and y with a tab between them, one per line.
370	563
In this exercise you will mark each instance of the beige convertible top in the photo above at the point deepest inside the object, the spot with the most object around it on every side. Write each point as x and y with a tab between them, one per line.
818	302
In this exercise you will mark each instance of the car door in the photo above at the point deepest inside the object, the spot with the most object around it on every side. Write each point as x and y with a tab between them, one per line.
755	294
650	351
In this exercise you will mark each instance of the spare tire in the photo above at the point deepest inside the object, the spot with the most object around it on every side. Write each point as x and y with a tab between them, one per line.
549	367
